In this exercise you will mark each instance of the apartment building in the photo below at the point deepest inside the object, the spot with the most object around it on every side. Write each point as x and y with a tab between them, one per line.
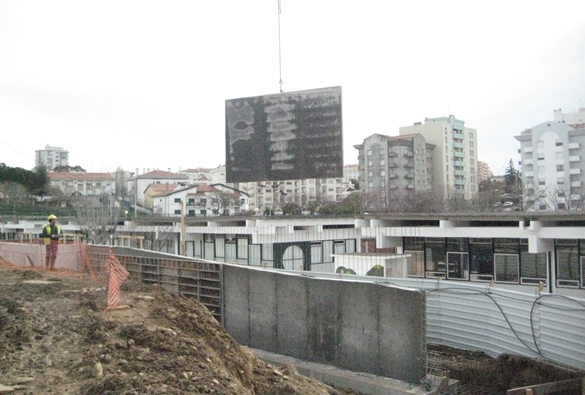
483	171
553	173
138	184
276	194
454	156
85	184
575	119
51	157
401	163
201	200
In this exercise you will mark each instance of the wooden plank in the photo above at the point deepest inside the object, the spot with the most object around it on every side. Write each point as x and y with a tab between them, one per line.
547	388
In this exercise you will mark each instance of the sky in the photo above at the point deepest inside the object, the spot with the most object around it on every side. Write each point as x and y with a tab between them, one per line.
139	84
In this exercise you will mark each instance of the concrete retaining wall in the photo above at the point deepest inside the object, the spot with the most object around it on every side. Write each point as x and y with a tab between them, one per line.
359	326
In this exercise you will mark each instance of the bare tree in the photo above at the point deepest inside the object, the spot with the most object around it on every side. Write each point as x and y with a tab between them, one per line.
97	216
563	197
14	194
160	237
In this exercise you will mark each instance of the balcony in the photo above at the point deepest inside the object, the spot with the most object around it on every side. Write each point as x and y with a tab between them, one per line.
459	182
392	154
392	175
409	175
575	158
410	186
575	171
529	173
392	165
408	164
527	149
408	154
458	145
458	135
459	172
458	163
574	145
528	162
575	184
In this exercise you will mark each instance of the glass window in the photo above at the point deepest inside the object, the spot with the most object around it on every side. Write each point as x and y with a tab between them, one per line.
567	262
510	246
267	252
350	246
456	244
219	246
435	254
230	252
507	268
481	259
327	251
316	252
532	266
255	255
242	247
560	168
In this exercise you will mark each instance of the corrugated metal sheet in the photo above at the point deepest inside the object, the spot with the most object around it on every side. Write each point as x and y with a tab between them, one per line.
497	321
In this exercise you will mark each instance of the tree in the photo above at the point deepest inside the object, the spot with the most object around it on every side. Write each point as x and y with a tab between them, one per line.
97	217
512	177
69	169
40	185
14	194
36	182
160	237
563	197
291	209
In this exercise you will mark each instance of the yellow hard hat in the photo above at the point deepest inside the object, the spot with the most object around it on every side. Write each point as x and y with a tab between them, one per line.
52	216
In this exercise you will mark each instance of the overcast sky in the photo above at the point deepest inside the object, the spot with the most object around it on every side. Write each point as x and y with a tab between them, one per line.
142	84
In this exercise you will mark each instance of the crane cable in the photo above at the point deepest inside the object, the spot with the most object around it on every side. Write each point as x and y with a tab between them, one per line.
279	54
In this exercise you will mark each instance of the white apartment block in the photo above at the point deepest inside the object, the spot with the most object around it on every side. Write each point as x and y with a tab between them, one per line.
454	155
553	172
85	184
351	172
51	157
483	171
400	163
276	194
575	119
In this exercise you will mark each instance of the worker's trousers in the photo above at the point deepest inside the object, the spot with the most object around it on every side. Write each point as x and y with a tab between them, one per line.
52	249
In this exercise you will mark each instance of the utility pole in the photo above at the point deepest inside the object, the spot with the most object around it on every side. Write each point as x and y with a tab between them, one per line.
183	241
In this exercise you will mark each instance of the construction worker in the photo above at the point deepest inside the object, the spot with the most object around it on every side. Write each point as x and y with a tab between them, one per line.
51	235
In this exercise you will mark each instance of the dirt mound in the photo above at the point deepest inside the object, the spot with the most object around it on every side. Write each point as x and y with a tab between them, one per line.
55	338
479	373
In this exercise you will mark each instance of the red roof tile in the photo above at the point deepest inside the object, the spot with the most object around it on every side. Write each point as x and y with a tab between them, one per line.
79	176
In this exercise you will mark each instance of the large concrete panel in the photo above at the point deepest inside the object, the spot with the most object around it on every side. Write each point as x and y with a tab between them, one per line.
324	320
402	334
359	346
237	302
292	135
292	313
365	327
262	295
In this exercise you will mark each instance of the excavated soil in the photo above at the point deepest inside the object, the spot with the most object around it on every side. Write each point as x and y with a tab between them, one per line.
55	338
